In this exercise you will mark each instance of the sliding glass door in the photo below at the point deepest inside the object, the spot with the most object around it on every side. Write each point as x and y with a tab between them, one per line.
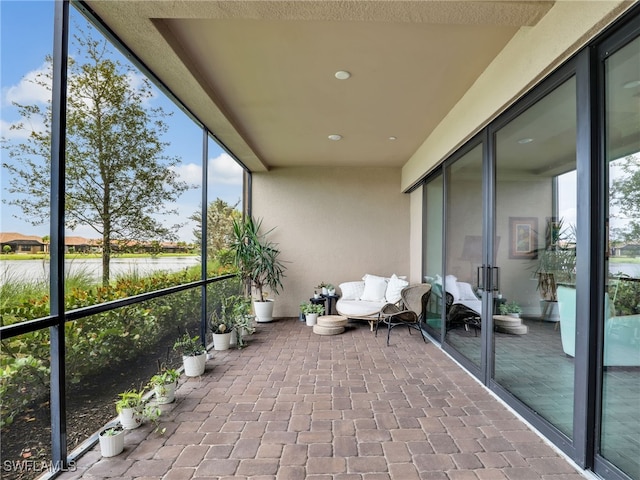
535	224
620	324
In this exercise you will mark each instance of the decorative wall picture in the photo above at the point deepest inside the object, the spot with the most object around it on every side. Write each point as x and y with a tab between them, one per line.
523	237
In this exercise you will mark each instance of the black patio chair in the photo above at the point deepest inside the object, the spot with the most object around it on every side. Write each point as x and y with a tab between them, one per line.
409	312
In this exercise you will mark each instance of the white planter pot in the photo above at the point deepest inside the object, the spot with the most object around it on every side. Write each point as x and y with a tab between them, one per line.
165	393
130	418
264	311
222	341
514	315
312	319
194	365
111	445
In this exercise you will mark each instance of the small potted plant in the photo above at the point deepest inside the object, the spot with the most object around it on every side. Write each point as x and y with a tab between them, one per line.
194	355
311	312
111	441
323	287
331	289
164	385
130	408
222	328
511	309
242	319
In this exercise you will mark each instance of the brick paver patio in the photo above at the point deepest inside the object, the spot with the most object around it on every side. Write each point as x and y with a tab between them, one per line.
295	405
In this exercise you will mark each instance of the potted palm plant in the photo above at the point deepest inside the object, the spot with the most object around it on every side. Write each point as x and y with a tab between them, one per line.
258	264
194	355
555	264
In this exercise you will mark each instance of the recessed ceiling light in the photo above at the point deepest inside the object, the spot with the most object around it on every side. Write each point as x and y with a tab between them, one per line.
335	137
632	84
393	138
524	141
342	75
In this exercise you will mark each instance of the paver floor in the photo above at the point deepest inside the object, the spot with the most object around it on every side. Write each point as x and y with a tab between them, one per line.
295	405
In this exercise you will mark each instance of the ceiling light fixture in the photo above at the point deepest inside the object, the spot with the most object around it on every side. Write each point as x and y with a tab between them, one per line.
393	138
342	75
335	137
632	84
524	141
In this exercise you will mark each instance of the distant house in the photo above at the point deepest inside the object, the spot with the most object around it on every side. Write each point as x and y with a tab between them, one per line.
81	245
23	243
628	250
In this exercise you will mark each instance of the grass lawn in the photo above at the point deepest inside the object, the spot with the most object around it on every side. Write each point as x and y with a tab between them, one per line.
73	256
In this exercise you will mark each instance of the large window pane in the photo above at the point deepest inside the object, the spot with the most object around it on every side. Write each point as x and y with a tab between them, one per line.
463	250
224	192
433	198
535	226
24	152
25	417
132	171
621	326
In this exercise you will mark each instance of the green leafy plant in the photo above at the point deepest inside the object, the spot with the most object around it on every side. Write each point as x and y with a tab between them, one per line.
256	258
220	323
165	377
112	431
510	307
130	399
312	308
189	346
556	262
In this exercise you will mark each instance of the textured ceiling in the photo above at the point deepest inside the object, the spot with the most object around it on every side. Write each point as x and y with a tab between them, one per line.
260	75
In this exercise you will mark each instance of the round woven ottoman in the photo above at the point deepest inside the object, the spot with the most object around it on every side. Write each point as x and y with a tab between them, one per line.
330	325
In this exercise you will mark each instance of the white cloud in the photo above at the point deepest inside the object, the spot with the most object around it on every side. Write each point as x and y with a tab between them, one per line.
20	133
224	170
27	91
190	173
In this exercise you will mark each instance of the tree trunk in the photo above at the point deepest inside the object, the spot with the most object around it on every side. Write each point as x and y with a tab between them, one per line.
106	257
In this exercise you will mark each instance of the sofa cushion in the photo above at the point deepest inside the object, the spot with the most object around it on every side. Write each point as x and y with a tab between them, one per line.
374	288
358	308
394	287
352	290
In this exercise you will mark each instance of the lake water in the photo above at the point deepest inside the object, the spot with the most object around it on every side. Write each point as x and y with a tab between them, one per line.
33	270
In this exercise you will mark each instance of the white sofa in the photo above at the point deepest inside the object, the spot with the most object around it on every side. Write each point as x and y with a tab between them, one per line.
363	299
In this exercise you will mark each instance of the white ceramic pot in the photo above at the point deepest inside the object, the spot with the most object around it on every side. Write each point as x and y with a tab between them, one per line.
222	341
130	418
111	445
194	365
514	315
312	319
165	393
325	291
264	311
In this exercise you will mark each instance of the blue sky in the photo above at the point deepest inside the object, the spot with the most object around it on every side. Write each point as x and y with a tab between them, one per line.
26	38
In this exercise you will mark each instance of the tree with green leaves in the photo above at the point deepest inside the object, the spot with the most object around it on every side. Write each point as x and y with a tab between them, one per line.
625	194
220	218
118	179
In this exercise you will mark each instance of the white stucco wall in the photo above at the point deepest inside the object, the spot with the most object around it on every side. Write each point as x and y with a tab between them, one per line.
333	225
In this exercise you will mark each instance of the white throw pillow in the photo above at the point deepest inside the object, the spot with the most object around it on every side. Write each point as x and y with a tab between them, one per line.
465	291
352	290
451	286
394	287
374	288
